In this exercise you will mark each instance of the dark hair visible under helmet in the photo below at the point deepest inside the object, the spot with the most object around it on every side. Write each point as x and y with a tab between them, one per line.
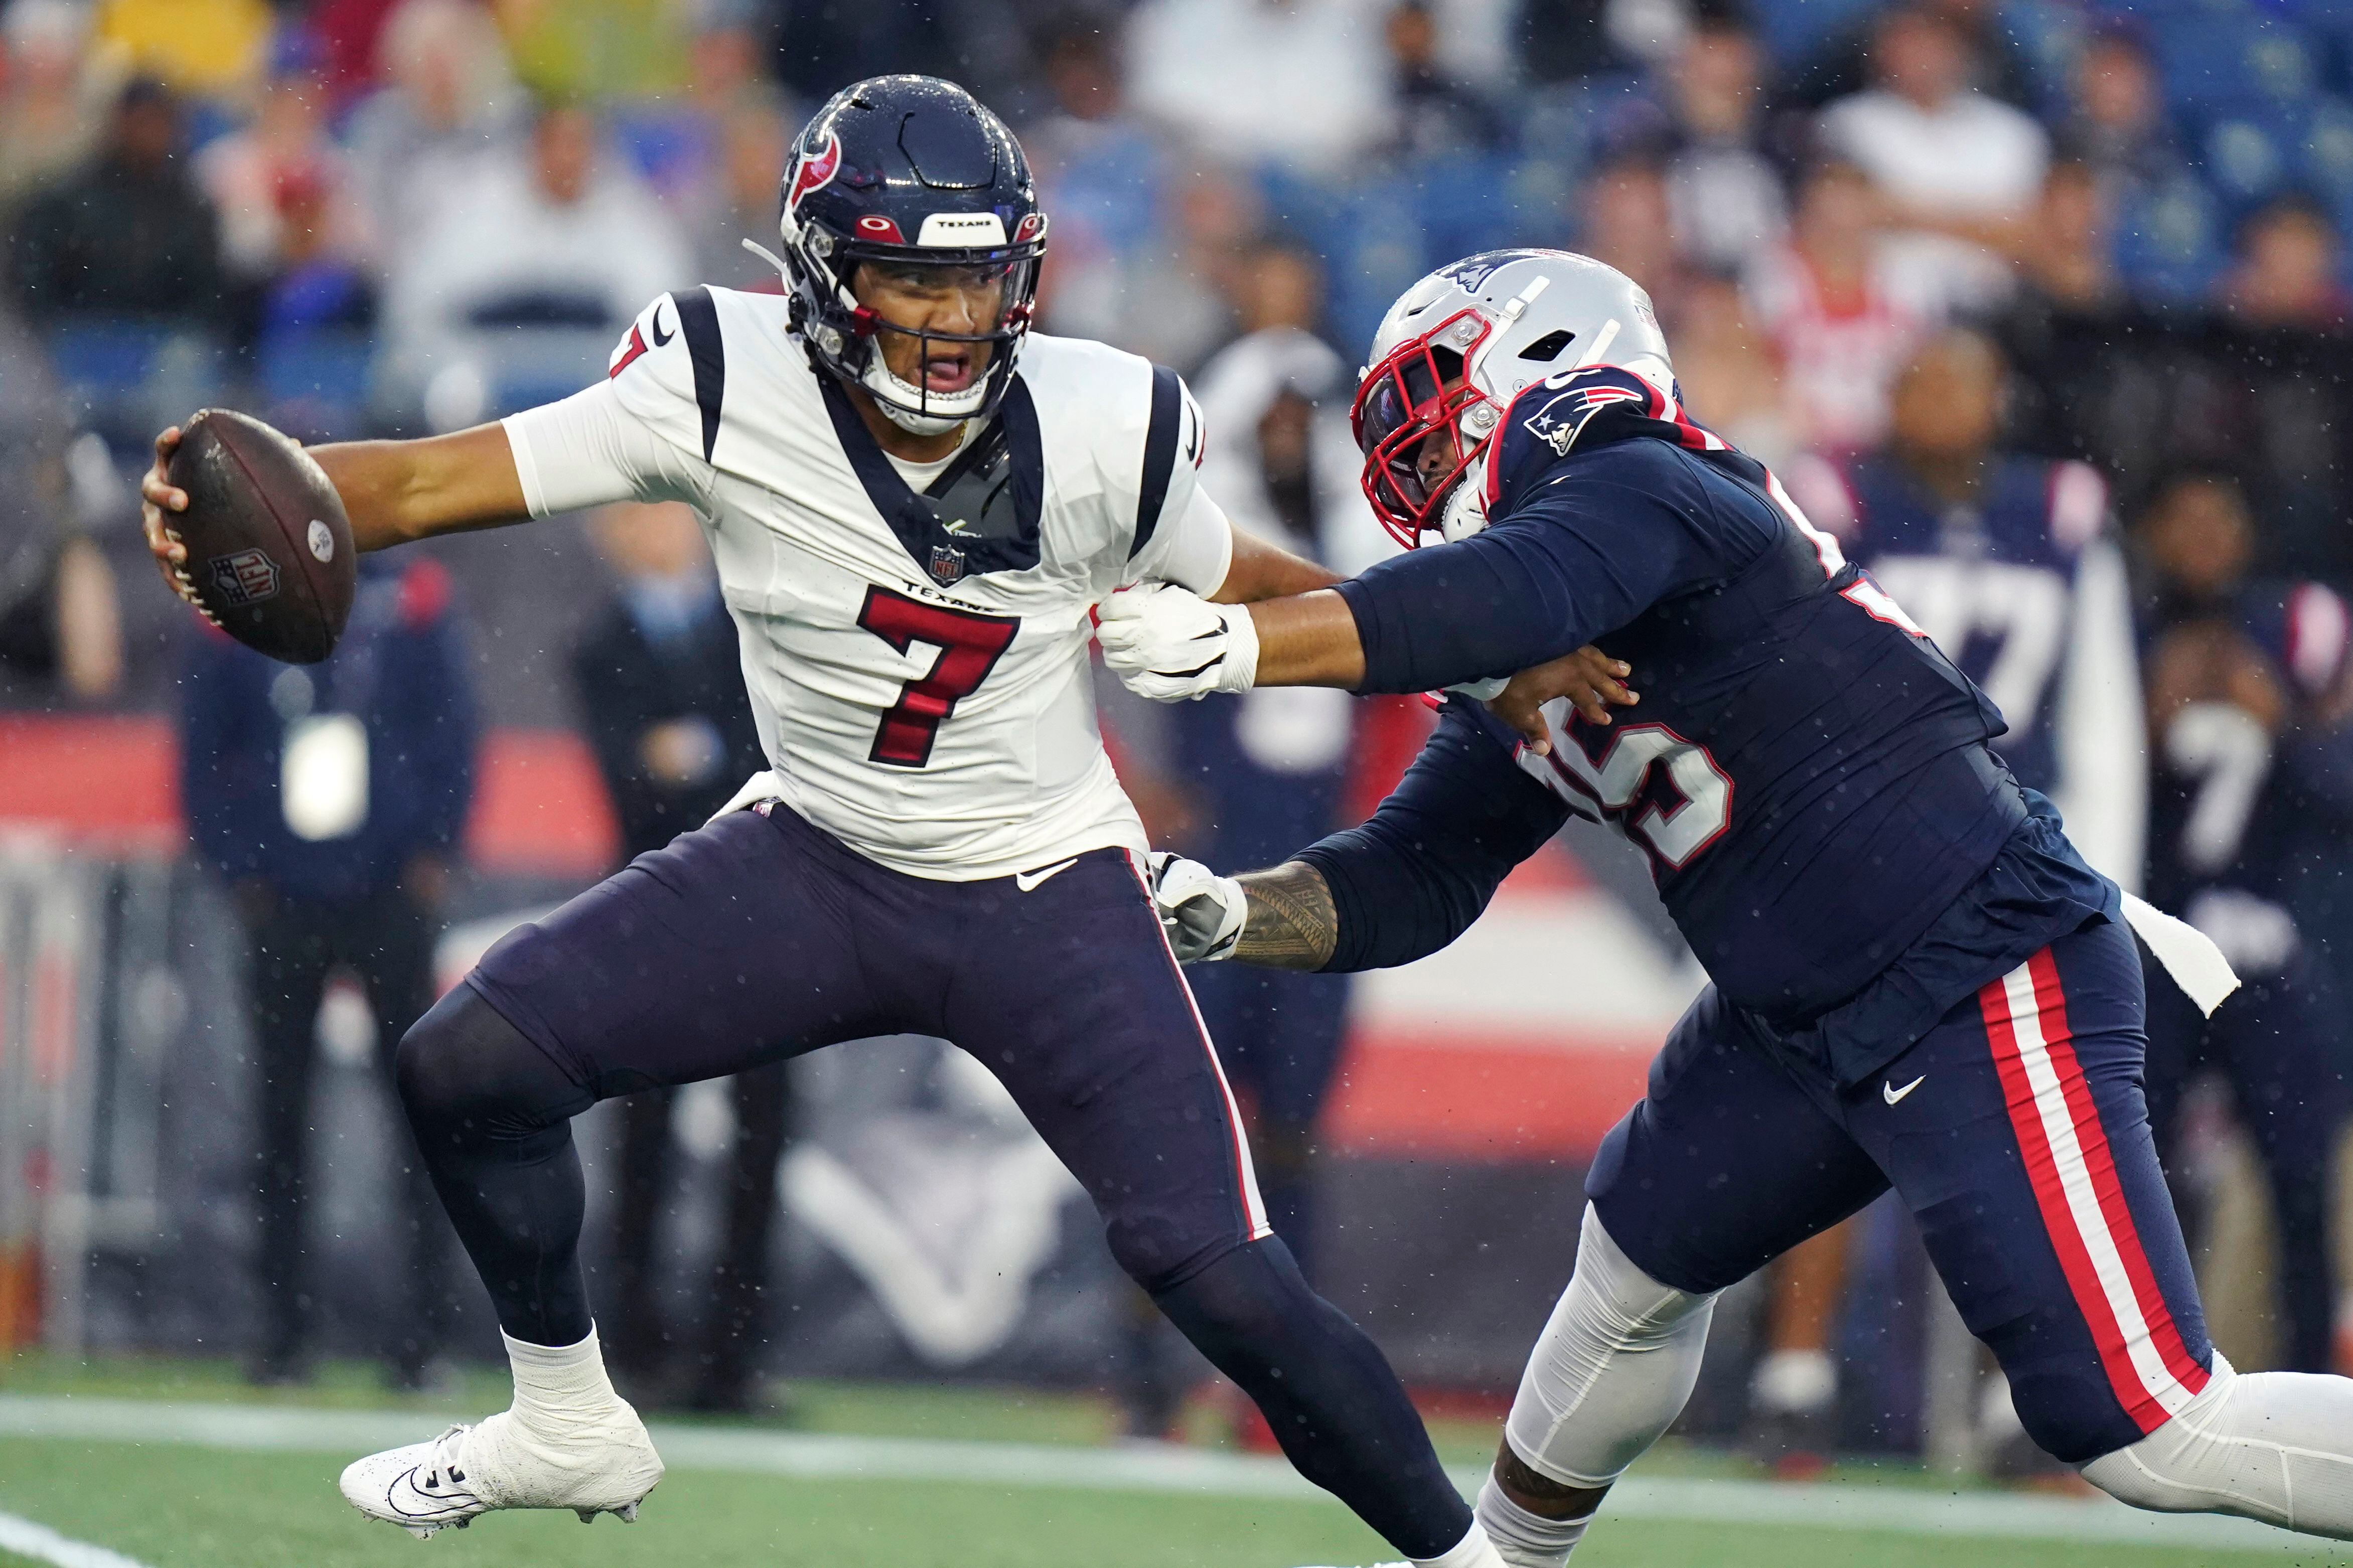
908	170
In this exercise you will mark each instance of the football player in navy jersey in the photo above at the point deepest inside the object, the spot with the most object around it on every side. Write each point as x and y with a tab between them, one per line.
1916	981
2005	561
2254	780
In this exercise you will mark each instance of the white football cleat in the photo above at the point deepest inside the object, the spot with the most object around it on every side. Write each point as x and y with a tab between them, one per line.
1478	1552
604	1466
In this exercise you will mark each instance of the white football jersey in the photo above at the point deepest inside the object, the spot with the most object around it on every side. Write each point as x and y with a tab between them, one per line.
917	663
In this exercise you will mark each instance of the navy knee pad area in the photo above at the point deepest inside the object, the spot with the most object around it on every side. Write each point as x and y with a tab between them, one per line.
463	1064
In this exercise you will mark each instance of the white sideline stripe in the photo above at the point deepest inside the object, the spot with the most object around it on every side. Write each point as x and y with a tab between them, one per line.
2083	1203
1186	1471
29	1538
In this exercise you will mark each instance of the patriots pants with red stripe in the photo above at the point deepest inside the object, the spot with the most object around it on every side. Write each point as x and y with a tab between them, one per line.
761	937
2016	1134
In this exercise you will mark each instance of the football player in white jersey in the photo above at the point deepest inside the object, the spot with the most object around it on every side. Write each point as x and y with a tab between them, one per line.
915	506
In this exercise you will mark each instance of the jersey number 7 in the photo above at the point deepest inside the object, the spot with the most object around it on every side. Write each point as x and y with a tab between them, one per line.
970	644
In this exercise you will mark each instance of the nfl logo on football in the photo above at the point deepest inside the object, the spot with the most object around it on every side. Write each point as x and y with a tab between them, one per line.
947	565
249	576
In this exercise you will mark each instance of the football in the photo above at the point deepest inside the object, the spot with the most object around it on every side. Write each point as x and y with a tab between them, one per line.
270	559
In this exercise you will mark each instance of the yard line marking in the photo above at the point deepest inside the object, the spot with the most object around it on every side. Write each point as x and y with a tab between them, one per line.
29	1538
1895	1509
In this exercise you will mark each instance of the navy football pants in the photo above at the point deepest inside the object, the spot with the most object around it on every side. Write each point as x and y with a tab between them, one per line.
1279	1033
2016	1134
760	937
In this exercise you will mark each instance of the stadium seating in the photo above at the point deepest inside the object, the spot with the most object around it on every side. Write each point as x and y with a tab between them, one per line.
126	378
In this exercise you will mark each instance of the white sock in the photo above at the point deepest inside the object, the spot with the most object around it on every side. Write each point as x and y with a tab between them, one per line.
559	1387
1525	1540
1795	1380
1474	1550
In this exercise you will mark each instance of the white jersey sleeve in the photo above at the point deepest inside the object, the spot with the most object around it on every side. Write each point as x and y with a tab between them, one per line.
1193	550
1153	454
633	437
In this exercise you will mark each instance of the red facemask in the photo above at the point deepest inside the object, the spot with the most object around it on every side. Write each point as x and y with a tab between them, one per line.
1400	404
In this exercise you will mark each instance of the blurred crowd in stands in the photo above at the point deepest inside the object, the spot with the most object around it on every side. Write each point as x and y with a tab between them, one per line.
391	216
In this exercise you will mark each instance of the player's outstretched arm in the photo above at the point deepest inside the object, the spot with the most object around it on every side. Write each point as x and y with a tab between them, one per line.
408	490
1402	885
1259	571
1281	919
1168	645
1289	921
393	491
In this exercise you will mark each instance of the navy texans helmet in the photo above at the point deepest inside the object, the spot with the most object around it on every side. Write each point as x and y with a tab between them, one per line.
908	170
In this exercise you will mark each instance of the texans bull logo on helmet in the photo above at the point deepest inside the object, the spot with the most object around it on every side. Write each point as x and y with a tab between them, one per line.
815	171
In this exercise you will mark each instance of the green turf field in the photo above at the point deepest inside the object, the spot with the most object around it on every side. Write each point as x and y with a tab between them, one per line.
177	1466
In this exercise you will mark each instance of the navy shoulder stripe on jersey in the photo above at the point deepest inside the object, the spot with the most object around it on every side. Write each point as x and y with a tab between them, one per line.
697	318
1159	454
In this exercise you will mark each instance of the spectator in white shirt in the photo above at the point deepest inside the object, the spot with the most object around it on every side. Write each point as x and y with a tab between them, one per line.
529	273
250	172
450	97
1952	159
1304	83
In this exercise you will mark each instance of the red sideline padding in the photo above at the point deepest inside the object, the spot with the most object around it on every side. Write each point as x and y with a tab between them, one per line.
1482	1095
539	808
112	781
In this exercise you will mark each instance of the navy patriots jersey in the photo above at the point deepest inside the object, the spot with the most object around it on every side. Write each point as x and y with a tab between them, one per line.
1989	582
1807	773
2237	799
2021	588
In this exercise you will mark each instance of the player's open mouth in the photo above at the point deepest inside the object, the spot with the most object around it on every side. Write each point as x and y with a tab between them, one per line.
948	372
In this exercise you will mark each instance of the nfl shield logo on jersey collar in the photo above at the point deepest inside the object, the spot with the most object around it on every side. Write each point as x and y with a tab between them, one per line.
947	565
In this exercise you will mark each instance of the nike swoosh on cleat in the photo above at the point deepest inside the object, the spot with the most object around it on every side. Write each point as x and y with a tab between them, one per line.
1030	881
1890	1093
433	1505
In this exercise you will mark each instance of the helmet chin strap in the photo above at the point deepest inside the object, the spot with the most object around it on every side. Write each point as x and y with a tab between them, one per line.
1465	514
772	259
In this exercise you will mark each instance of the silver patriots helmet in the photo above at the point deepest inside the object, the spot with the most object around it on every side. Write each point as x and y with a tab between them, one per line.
1458	346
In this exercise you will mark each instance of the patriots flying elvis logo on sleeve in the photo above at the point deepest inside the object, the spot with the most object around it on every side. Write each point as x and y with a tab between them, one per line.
1560	419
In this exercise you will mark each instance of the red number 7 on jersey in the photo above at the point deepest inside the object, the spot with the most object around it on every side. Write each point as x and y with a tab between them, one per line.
970	644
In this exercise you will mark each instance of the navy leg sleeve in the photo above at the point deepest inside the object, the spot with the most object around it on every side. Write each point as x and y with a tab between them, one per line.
492	1114
1339	1411
1069	994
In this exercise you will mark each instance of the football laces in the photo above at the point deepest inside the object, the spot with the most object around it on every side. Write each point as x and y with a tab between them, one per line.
185	586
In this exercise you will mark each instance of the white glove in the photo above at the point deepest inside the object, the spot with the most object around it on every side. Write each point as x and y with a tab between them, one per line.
1169	644
1201	911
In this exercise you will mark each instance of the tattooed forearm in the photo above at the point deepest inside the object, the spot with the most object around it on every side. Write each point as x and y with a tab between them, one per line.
1291	923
